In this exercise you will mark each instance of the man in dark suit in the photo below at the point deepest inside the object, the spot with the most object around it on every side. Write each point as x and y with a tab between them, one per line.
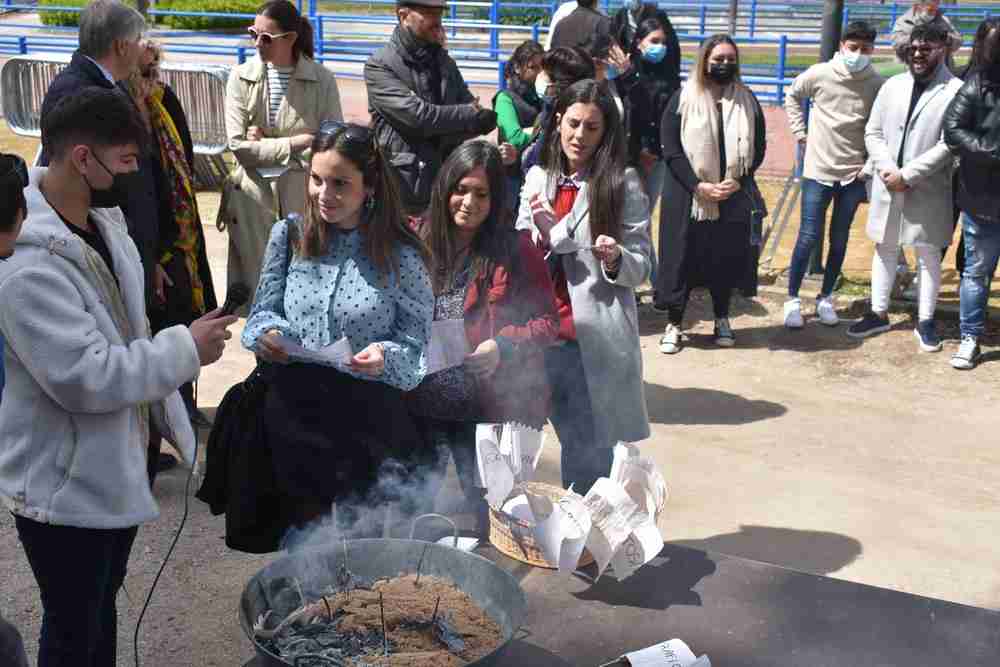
111	44
583	27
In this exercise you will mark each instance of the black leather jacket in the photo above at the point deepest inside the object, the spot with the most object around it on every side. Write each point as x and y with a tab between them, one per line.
420	112
972	132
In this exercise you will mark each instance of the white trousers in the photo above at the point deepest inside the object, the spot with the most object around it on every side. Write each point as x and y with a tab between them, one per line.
884	264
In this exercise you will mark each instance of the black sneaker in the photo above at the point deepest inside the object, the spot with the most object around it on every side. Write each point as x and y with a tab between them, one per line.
927	336
724	333
869	325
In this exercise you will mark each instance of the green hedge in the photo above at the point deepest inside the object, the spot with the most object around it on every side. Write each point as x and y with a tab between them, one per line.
71	19
514	16
207	22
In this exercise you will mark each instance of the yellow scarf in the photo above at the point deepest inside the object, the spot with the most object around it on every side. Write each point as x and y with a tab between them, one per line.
182	195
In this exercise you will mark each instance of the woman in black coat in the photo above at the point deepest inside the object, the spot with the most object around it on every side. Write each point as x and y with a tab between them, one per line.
711	209
182	285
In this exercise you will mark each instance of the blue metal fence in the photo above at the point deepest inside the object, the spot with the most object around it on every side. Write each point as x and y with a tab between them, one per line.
482	45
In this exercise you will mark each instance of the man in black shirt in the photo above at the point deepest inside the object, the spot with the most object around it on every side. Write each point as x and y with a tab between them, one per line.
582	27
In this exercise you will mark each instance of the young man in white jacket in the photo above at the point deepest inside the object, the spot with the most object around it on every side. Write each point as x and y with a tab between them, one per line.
84	378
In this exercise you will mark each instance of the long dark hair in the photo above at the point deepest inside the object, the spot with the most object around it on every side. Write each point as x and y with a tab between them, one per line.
607	166
521	57
288	17
658	79
386	223
492	244
985	50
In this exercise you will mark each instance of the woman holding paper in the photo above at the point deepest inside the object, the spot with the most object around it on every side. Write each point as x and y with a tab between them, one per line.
591	215
494	282
348	275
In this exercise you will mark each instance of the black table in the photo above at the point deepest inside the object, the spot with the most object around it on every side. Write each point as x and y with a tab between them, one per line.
742	613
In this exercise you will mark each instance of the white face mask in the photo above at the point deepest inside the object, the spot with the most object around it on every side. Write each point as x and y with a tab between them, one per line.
855	61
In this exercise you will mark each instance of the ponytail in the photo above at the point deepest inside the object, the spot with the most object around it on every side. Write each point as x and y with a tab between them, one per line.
304	44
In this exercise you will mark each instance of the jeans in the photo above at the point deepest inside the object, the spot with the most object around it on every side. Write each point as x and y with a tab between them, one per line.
816	199
79	572
584	459
982	249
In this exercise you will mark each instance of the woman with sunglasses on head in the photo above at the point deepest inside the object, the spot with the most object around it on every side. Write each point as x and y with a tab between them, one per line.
274	105
182	288
713	139
348	268
591	216
495	281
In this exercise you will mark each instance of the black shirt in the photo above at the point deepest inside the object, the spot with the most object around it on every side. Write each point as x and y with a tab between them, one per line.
94	240
918	89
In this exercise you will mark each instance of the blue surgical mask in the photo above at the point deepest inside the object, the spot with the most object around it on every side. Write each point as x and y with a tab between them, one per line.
611	72
855	61
654	53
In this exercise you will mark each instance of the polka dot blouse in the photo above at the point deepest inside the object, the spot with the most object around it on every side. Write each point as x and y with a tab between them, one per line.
318	300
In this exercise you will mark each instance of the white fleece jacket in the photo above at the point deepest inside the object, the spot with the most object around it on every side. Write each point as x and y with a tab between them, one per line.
72	440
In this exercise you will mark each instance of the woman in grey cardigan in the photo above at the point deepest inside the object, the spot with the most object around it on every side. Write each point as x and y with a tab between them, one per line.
591	216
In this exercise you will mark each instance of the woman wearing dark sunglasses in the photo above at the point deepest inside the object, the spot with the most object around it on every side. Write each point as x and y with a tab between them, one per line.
274	105
348	269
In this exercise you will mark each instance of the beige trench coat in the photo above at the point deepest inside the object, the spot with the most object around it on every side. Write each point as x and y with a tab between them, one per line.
249	206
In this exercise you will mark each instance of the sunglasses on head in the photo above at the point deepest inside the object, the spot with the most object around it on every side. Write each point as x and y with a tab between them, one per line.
352	132
266	38
18	169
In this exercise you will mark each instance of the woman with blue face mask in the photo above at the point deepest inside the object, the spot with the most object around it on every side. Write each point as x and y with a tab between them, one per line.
659	79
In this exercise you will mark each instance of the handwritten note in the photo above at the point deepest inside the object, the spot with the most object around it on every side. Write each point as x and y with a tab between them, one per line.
448	345
336	354
673	653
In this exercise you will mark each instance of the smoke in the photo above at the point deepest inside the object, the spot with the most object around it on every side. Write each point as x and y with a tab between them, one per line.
402	491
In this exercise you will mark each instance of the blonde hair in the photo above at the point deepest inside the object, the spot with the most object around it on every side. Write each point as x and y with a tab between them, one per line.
699	75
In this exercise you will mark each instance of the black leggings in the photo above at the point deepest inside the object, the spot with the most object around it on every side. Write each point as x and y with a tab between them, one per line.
721	297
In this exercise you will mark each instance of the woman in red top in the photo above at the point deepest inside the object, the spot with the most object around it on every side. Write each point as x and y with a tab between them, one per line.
496	282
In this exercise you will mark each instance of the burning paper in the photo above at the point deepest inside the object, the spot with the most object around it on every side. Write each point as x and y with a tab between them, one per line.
673	653
336	354
448	345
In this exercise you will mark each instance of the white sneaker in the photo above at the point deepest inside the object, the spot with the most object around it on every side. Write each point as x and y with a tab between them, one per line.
793	314
827	312
670	342
967	355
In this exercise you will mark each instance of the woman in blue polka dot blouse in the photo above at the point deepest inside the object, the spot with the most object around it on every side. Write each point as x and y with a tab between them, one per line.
348	269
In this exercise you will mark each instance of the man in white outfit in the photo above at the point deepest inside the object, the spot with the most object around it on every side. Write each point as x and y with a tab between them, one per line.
911	203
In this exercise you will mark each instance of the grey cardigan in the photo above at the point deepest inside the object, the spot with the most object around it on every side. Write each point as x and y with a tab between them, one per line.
604	310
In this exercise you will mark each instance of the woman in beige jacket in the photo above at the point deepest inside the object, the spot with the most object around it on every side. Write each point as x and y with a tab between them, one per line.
274	105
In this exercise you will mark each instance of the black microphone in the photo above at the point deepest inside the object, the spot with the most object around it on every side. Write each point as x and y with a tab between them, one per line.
236	296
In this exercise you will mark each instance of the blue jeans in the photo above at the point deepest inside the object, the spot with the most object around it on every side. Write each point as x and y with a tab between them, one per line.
79	572
816	199
982	249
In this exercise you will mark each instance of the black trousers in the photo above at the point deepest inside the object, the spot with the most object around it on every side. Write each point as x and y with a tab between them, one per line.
584	457
79	572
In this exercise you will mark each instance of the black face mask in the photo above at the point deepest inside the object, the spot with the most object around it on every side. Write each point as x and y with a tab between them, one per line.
722	73
111	197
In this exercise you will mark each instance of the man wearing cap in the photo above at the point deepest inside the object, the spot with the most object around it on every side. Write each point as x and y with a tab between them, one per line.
420	105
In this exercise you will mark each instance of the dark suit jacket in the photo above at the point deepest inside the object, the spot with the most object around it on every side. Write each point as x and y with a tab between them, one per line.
581	28
141	207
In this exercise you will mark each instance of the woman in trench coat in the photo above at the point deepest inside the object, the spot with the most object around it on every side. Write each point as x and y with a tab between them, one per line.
274	105
591	217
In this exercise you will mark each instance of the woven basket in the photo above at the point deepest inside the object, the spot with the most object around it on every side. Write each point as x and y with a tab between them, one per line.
515	538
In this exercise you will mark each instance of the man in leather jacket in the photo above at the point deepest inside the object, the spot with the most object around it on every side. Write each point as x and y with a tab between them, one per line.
420	105
972	132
